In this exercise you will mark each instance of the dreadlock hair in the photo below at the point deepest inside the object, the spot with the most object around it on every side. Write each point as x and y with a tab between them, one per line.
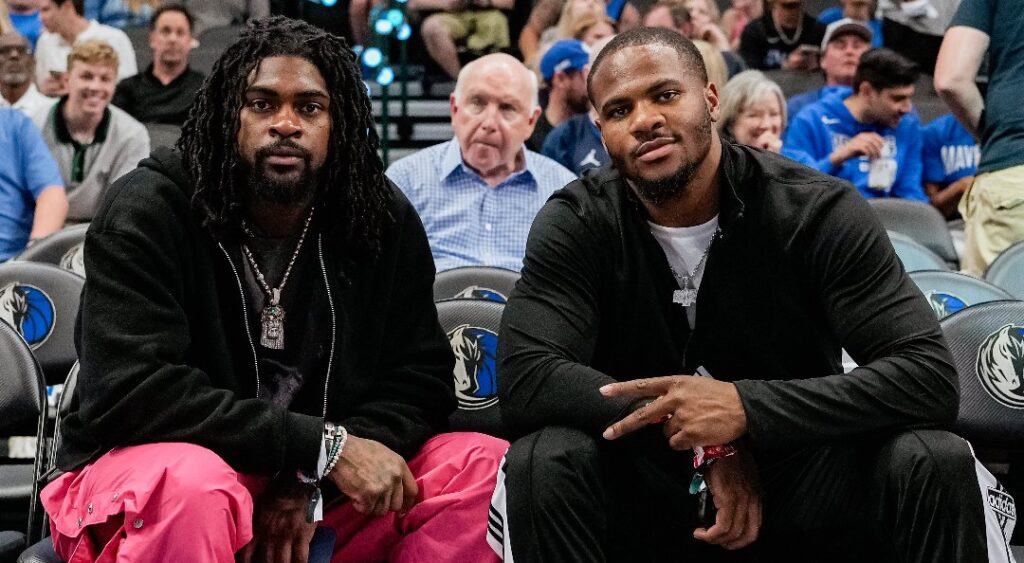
353	193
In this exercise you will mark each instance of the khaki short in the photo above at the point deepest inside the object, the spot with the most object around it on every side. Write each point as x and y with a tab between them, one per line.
993	210
484	30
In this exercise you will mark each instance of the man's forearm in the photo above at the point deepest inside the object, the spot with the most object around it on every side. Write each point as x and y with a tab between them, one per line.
955	72
51	211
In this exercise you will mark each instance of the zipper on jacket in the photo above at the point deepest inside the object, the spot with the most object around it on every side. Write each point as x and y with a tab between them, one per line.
334	325
245	317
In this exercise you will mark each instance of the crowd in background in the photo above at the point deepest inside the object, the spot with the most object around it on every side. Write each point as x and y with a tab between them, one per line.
69	67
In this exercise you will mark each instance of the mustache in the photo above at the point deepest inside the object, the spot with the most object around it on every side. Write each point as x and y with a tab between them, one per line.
284	147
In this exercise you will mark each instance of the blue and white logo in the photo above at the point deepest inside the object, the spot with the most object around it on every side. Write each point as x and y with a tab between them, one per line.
476	380
29	311
74	259
1001	366
477	292
944	304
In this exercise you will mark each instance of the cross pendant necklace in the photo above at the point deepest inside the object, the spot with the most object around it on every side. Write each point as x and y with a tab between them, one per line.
272	316
686	295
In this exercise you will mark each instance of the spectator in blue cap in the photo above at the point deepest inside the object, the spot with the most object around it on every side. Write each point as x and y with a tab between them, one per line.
564	69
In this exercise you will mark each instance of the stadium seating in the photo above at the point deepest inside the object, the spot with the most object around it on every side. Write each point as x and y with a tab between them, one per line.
41	302
1007	270
949	292
472	329
475	282
919	221
22	412
63	248
915	256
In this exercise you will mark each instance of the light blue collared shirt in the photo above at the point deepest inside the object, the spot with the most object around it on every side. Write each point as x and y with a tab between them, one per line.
469	223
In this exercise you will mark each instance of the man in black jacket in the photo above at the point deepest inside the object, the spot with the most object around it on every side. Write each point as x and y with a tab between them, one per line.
258	327
790	266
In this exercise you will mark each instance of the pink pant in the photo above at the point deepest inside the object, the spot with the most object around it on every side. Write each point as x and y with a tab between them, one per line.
181	502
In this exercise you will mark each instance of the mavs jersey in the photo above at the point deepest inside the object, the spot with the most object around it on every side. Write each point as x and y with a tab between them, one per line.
949	152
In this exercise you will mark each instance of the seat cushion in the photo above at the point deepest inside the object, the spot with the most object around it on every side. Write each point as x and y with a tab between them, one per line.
11	544
15	481
41	552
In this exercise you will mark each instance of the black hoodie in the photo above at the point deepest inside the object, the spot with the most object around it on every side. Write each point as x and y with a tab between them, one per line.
165	354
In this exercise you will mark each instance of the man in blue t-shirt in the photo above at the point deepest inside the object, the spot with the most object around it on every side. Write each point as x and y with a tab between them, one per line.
32	201
861	10
845	41
576	144
950	155
993	207
869	137
27	22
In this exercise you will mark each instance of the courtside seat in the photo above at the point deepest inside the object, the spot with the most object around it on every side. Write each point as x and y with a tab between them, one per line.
475	282
63	248
1007	270
919	221
914	255
22	413
949	292
472	328
41	302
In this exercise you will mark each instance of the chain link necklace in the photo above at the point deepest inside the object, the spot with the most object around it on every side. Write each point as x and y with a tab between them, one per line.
686	295
796	34
272	316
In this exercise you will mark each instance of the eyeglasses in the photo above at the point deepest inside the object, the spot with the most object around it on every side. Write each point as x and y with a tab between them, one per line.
12	50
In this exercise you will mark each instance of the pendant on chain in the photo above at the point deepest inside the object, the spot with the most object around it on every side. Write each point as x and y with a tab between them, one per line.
272	323
684	297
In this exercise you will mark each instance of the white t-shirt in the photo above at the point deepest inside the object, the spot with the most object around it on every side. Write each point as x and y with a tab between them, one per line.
52	50
30	103
683	248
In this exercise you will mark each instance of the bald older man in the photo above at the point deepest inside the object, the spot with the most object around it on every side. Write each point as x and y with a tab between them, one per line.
478	193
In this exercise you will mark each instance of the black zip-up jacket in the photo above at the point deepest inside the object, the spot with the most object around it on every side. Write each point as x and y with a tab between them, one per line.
801	269
166	355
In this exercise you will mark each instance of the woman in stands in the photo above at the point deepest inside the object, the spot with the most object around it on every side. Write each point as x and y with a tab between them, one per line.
753	113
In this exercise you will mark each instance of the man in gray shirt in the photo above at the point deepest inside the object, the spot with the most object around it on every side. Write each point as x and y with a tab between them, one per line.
93	142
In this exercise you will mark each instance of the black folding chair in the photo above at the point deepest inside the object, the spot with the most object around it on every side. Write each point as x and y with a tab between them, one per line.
949	292
22	412
63	249
1007	270
41	302
919	221
472	329
914	255
475	282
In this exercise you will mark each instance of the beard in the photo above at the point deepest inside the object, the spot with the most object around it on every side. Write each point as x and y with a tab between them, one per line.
266	185
657	191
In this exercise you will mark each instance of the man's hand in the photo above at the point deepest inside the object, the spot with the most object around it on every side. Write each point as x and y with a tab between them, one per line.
696	411
281	533
734	485
52	86
867	144
374	478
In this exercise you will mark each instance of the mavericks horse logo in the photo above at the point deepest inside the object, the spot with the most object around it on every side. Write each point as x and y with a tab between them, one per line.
29	311
477	292
944	304
1001	365
476	382
74	259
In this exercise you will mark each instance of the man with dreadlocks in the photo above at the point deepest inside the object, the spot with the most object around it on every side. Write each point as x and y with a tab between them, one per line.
259	348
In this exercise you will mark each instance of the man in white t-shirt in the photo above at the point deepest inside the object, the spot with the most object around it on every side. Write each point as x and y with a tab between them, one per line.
64	26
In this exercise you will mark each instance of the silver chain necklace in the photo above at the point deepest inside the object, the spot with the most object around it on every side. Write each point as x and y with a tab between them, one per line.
686	295
796	34
272	316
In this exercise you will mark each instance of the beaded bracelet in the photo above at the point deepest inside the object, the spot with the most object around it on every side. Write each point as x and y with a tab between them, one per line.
337	446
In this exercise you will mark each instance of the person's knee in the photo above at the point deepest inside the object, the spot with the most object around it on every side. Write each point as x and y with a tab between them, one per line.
931	460
200	480
549	459
433	29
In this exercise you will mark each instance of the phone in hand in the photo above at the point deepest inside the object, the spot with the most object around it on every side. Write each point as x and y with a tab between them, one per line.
321	547
707	512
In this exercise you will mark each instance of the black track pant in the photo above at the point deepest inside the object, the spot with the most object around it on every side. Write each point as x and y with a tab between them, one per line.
912	497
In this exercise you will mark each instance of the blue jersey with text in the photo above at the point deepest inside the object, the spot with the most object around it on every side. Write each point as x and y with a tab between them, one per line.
824	126
949	151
